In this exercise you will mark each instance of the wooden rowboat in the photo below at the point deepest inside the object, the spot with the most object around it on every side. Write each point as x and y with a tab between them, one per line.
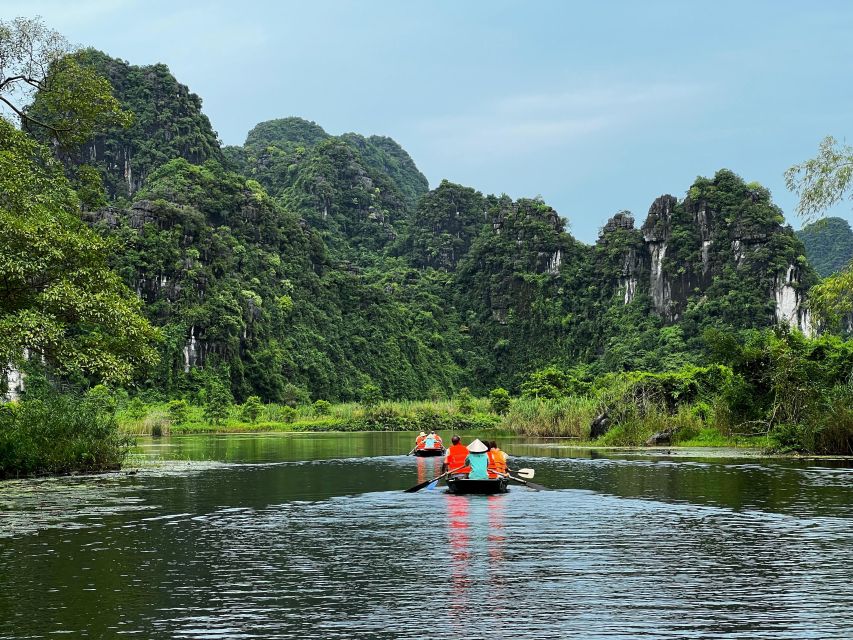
426	453
464	486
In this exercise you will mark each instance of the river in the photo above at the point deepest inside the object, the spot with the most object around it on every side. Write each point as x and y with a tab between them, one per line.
310	536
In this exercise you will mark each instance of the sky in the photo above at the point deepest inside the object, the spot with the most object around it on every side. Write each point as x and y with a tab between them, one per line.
594	106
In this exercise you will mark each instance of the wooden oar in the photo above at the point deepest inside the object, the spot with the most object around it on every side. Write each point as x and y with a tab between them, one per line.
420	486
412	451
535	487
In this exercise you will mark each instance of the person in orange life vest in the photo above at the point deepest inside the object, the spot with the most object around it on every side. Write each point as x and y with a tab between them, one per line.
436	440
491	461
455	458
498	459
420	441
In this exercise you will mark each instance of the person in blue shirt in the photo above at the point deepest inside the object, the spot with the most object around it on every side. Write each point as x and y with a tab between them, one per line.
478	461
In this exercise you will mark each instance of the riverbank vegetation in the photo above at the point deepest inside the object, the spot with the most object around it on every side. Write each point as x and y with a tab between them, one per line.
776	390
305	281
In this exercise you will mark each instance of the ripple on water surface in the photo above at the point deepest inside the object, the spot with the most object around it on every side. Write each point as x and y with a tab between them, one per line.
626	549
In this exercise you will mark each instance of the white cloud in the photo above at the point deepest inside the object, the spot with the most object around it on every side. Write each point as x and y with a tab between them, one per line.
531	122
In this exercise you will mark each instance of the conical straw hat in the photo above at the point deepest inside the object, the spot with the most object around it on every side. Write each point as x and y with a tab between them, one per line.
477	447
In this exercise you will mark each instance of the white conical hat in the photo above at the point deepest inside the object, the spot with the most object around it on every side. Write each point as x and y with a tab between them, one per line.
477	447
421	433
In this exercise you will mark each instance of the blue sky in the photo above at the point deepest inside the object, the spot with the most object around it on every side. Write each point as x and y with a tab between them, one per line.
596	107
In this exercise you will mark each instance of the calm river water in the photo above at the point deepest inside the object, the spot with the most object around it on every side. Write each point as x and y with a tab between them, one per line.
310	536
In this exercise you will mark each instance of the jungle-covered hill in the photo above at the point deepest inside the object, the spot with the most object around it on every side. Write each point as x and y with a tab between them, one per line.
323	263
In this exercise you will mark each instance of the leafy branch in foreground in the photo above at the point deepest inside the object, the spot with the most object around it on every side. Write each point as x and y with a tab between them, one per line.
822	181
74	100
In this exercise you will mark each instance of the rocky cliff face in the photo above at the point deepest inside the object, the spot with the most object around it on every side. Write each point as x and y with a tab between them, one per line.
168	123
709	247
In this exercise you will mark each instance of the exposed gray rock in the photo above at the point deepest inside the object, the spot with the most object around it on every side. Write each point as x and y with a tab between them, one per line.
600	426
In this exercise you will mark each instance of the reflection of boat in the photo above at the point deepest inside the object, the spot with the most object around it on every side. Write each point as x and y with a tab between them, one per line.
425	453
464	486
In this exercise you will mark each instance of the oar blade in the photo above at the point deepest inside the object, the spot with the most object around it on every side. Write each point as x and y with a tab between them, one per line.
527	474
417	487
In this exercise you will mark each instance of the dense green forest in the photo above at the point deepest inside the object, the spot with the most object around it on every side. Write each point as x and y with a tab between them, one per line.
325	262
828	243
303	266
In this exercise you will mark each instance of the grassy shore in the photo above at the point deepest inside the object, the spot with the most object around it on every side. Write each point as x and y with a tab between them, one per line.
568	418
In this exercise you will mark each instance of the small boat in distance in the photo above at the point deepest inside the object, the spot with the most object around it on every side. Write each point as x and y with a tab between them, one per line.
426	453
464	486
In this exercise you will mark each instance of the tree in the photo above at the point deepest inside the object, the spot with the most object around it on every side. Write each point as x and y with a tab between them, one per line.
74	100
499	401
371	395
252	408
178	411
58	296
465	401
820	183
218	401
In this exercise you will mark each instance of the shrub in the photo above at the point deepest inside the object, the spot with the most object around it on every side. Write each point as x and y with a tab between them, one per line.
178	411
251	409
294	396
370	396
101	398
217	402
465	401
499	401
58	434
287	414
136	409
322	407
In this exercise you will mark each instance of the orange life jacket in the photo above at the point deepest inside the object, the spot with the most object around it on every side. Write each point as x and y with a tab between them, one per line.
438	443
490	455
498	460
455	458
419	442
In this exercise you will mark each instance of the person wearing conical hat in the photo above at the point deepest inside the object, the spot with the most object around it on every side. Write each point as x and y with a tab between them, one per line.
478	461
420	441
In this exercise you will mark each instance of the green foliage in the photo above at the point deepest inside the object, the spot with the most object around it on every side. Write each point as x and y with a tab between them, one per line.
56	434
371	396
178	411
465	401
58	296
251	409
167	123
294	396
824	180
74	101
322	407
136	408
102	399
828	243
499	401
217	401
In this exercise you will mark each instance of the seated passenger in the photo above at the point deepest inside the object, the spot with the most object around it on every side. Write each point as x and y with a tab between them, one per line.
455	459
420	440
429	442
498	459
478	461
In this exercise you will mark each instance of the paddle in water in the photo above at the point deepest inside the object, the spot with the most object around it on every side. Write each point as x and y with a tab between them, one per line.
420	486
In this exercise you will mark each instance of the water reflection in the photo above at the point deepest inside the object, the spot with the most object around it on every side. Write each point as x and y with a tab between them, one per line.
262	545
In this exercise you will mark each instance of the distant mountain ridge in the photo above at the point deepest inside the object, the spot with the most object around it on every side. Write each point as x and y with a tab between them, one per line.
324	263
828	243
